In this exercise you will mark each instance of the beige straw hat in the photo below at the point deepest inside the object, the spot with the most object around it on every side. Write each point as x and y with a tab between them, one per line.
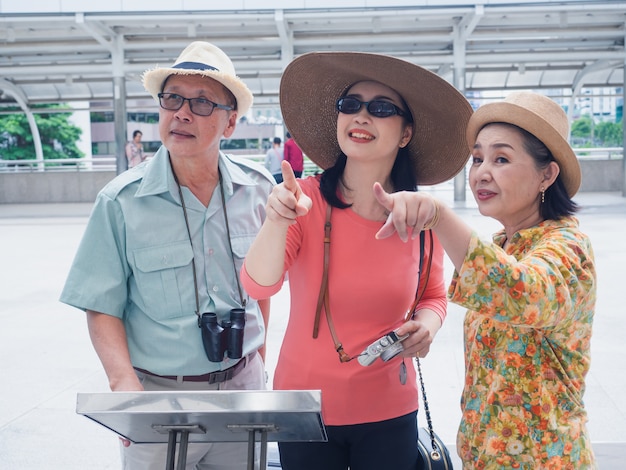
202	58
312	83
540	116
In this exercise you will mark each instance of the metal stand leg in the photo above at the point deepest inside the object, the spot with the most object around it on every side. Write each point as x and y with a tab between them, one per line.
182	450
171	450
253	429
251	448
173	431
263	450
251	440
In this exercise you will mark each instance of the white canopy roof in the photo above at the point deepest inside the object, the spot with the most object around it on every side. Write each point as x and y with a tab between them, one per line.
61	56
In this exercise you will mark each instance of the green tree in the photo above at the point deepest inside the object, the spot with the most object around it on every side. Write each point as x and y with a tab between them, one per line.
58	135
609	134
582	127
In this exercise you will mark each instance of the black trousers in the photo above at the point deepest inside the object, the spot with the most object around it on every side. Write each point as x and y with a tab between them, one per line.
390	444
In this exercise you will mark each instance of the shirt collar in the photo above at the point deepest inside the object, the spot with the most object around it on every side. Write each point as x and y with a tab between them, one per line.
159	178
537	231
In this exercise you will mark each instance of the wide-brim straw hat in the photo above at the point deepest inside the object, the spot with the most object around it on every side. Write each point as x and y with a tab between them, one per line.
208	60
543	118
312	83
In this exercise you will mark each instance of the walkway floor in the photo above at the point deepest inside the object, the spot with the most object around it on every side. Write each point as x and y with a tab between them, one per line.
46	355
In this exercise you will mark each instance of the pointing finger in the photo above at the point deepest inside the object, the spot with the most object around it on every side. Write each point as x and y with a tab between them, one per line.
383	197
290	182
289	178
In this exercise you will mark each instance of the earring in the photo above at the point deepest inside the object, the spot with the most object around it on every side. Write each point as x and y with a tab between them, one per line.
543	195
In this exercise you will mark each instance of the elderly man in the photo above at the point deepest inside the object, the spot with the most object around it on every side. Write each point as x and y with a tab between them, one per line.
160	257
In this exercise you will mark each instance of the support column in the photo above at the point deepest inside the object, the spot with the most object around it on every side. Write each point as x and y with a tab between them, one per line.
21	99
461	32
624	130
119	114
119	104
461	178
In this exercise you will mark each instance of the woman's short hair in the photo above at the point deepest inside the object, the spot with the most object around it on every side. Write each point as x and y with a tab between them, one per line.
556	202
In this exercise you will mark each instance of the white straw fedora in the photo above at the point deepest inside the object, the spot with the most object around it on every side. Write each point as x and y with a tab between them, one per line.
543	118
202	58
312	83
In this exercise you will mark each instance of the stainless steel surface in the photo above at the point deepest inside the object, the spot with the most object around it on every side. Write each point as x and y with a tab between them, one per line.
225	416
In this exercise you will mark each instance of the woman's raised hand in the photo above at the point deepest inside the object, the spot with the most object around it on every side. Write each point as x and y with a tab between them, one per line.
287	201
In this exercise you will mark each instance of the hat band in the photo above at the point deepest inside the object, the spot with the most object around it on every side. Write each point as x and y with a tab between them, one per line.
194	66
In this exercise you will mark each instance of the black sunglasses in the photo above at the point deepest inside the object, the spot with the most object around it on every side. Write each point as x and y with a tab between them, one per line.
199	106
377	108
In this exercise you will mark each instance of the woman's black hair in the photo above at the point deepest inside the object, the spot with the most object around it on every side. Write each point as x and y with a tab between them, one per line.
402	177
557	202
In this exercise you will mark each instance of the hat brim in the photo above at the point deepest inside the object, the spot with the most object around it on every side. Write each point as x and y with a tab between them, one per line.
153	80
312	83
534	123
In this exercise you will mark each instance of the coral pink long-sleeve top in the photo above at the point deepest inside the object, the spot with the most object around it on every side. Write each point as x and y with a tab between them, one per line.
372	284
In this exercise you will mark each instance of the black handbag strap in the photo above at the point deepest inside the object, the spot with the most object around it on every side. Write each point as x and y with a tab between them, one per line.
420	275
437	453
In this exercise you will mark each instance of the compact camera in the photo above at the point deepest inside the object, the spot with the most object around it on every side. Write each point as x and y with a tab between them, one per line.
225	337
386	347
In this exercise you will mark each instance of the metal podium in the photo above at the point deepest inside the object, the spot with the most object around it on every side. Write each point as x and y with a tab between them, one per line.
210	416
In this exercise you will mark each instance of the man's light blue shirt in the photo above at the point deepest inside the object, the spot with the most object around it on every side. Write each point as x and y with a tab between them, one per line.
274	160
135	261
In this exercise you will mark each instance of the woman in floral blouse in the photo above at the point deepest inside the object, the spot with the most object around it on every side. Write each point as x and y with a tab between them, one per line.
530	293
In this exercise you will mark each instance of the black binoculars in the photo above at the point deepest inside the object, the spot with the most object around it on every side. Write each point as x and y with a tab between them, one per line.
225	337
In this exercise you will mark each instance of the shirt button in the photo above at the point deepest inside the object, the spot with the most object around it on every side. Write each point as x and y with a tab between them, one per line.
215	288
211	251
165	260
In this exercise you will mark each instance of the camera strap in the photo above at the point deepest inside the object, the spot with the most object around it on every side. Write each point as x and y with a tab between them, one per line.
323	297
193	262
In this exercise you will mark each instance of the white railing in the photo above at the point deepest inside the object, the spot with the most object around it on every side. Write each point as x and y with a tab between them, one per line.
100	164
310	168
601	153
109	163
59	164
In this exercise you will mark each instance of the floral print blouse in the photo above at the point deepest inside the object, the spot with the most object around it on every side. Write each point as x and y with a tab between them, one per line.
527	336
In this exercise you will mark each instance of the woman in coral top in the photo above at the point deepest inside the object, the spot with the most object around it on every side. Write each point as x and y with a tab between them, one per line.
530	293
362	119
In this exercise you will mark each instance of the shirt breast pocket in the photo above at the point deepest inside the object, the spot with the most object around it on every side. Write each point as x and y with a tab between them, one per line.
241	244
164	280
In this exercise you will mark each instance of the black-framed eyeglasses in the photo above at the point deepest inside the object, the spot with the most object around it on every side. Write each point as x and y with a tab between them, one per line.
199	106
377	108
